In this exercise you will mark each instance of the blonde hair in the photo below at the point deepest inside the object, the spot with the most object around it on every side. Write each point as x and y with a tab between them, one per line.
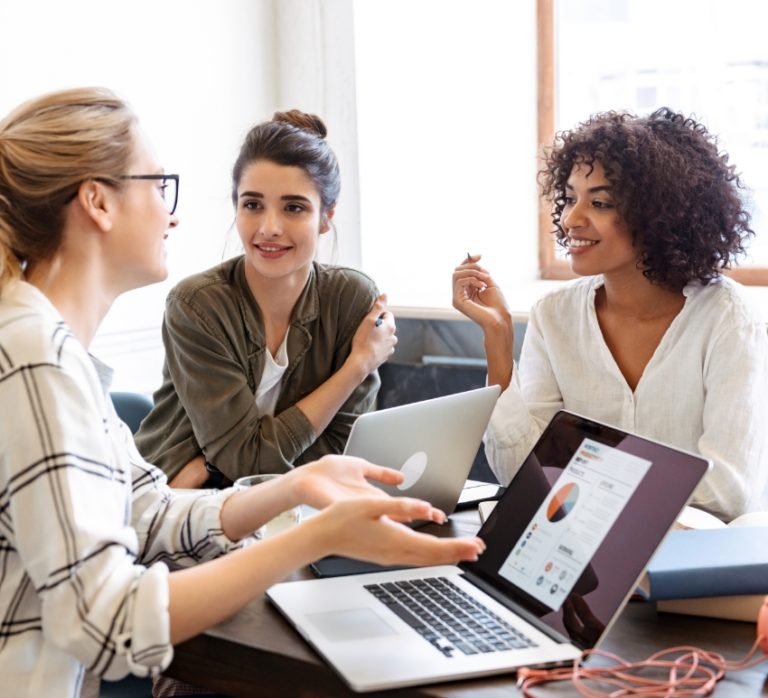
48	147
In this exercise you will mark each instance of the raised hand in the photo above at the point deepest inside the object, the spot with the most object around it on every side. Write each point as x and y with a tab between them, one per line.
476	295
374	341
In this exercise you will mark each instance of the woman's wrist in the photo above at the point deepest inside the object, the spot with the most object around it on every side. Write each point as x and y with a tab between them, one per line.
245	511
499	344
316	529
497	324
358	368
499	338
293	487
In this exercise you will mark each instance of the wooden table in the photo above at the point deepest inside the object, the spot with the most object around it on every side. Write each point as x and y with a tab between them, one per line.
257	653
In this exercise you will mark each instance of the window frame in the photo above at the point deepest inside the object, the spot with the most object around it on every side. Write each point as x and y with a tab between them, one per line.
550	267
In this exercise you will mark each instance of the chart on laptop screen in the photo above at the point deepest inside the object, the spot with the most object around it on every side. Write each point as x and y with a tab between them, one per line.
569	526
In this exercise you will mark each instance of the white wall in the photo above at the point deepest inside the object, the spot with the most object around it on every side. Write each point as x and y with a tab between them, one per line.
316	73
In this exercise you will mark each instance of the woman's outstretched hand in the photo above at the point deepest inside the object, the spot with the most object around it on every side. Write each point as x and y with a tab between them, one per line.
338	478
320	484
360	520
362	526
367	528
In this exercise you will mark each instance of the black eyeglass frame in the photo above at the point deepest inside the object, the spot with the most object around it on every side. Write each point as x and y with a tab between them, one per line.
163	177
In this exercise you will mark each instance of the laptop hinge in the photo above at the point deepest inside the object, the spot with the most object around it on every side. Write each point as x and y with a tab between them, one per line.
516	608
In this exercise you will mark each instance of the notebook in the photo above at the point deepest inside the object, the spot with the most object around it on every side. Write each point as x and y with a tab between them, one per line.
433	442
566	545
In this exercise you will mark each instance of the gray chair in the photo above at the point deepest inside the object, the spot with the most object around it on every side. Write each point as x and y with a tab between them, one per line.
131	407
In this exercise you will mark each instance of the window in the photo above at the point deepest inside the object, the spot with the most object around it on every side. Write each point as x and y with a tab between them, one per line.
704	57
447	144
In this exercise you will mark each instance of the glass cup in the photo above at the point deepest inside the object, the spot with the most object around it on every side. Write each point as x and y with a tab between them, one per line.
281	522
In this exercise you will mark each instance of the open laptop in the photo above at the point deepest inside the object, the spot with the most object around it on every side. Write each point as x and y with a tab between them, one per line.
432	442
566	546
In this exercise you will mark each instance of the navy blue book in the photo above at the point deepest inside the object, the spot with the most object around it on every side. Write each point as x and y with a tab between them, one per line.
709	562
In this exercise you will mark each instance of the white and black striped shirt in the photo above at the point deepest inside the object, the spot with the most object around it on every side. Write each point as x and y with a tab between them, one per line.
86	524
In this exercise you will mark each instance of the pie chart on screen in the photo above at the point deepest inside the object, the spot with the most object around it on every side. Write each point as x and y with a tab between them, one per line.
564	500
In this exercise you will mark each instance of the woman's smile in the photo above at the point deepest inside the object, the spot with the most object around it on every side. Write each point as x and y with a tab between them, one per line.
270	250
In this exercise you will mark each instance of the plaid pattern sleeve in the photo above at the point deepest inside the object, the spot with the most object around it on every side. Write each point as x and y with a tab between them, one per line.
85	523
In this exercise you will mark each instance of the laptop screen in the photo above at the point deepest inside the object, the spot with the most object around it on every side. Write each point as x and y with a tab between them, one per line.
580	520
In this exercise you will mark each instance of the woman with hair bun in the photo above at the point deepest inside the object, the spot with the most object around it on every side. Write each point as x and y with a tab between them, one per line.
271	356
88	528
653	339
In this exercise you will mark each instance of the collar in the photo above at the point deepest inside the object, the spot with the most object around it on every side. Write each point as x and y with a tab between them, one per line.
305	311
691	289
29	296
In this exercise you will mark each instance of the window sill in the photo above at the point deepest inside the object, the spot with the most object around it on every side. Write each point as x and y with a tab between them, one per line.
525	295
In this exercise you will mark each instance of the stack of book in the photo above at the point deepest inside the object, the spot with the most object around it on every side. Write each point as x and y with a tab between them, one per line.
714	570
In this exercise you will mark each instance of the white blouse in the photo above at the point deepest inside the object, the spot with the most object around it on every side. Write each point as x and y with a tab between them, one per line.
704	390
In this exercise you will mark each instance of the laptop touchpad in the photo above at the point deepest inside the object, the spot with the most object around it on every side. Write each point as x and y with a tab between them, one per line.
350	624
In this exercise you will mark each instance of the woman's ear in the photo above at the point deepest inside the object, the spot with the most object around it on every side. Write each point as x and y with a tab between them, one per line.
95	200
325	220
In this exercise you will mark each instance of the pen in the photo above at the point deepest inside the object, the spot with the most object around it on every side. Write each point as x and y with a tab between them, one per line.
469	257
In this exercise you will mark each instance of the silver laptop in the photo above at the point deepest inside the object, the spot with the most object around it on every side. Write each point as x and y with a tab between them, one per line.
566	546
433	442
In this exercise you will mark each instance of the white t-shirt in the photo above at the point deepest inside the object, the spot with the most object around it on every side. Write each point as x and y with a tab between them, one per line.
704	390
272	379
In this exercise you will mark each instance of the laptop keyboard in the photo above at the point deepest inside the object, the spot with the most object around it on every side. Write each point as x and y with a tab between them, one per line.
447	617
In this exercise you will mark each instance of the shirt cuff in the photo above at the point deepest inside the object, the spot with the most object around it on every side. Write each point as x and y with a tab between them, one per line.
146	650
299	428
205	514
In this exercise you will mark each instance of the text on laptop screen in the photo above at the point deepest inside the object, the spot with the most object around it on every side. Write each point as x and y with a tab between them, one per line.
580	520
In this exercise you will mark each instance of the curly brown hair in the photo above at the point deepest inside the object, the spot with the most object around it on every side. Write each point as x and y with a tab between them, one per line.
673	188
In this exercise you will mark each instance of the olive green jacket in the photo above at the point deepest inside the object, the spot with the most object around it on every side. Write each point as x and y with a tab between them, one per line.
214	357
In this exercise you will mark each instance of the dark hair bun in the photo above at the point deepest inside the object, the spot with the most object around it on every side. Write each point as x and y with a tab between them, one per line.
308	122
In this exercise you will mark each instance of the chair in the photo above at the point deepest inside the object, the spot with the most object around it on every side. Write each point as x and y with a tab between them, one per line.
131	407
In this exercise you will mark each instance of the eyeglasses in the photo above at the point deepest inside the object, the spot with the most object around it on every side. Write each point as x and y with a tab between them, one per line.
169	187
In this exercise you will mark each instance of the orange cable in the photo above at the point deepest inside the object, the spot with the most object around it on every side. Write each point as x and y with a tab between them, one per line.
693	672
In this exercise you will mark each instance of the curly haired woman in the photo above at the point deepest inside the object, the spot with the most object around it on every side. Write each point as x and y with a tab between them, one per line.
653	339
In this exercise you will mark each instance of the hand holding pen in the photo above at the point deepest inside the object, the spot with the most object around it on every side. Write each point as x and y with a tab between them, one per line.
473	279
375	339
476	295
